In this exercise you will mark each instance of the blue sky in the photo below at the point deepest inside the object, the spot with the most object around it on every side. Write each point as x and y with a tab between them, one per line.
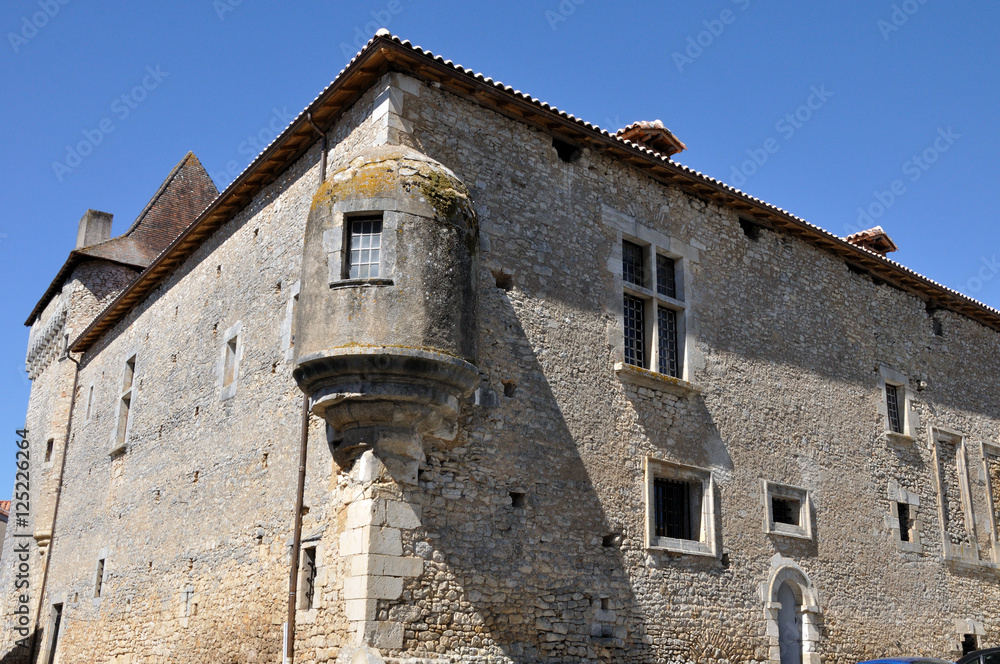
842	113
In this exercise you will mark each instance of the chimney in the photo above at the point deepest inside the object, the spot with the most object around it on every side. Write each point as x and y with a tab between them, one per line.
654	136
874	239
95	227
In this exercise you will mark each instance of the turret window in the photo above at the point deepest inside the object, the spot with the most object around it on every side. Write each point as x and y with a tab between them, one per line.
364	247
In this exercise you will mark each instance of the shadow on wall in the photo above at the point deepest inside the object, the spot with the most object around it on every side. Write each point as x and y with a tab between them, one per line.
22	655
520	553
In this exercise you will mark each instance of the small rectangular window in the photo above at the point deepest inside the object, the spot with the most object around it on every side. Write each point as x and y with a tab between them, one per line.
892	406
903	512
57	610
677	506
99	582
666	276
632	263
49	444
635	331
786	510
229	372
90	400
364	247
125	403
669	355
308	578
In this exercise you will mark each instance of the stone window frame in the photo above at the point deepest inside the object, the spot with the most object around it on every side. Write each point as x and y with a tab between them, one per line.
804	530
708	544
288	322
955	552
904	395
235	331
89	406
309	614
685	257
336	245
967	627
993	496
129	390
52	636
98	582
896	495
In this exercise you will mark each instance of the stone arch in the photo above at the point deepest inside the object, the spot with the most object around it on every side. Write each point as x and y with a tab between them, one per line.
787	573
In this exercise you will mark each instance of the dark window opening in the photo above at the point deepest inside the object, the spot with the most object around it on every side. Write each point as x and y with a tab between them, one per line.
364	242
509	387
892	405
48	449
567	151
937	327
57	610
903	512
605	604
666	276
609	540
504	281
670	359
677	510
517	499
785	510
969	644
99	583
750	229
633	263
635	331
308	577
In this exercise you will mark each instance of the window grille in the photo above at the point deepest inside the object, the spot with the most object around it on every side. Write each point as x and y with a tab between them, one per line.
635	331
309	577
785	510
903	512
672	500
670	361
892	405
666	276
365	242
632	263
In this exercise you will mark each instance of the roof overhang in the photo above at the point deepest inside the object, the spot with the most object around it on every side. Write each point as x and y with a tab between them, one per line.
385	53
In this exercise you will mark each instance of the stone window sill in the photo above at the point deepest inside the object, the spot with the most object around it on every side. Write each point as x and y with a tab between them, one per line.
966	557
352	283
654	380
684	547
786	530
909	547
901	438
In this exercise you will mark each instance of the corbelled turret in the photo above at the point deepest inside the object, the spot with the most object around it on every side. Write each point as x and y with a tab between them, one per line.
385	327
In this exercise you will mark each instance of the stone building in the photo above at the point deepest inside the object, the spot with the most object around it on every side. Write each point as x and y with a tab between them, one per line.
568	401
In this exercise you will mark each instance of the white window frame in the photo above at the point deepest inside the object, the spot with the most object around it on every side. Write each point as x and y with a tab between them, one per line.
235	332
707	544
904	396
804	529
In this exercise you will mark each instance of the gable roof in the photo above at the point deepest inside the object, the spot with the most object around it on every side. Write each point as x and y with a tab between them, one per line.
184	193
384	53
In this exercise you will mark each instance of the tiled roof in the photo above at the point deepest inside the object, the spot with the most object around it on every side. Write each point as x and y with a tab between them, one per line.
652	135
386	52
4	508
185	192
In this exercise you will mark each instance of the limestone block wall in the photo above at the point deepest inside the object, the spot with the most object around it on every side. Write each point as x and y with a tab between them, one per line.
525	538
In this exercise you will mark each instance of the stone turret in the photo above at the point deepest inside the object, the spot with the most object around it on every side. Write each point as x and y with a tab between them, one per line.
385	327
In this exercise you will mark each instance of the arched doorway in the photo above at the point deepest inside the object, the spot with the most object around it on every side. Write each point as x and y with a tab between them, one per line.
789	625
791	609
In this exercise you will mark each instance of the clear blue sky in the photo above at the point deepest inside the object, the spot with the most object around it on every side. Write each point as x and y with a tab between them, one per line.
732	78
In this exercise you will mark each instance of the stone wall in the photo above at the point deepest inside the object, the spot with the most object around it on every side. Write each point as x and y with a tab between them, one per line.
525	539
